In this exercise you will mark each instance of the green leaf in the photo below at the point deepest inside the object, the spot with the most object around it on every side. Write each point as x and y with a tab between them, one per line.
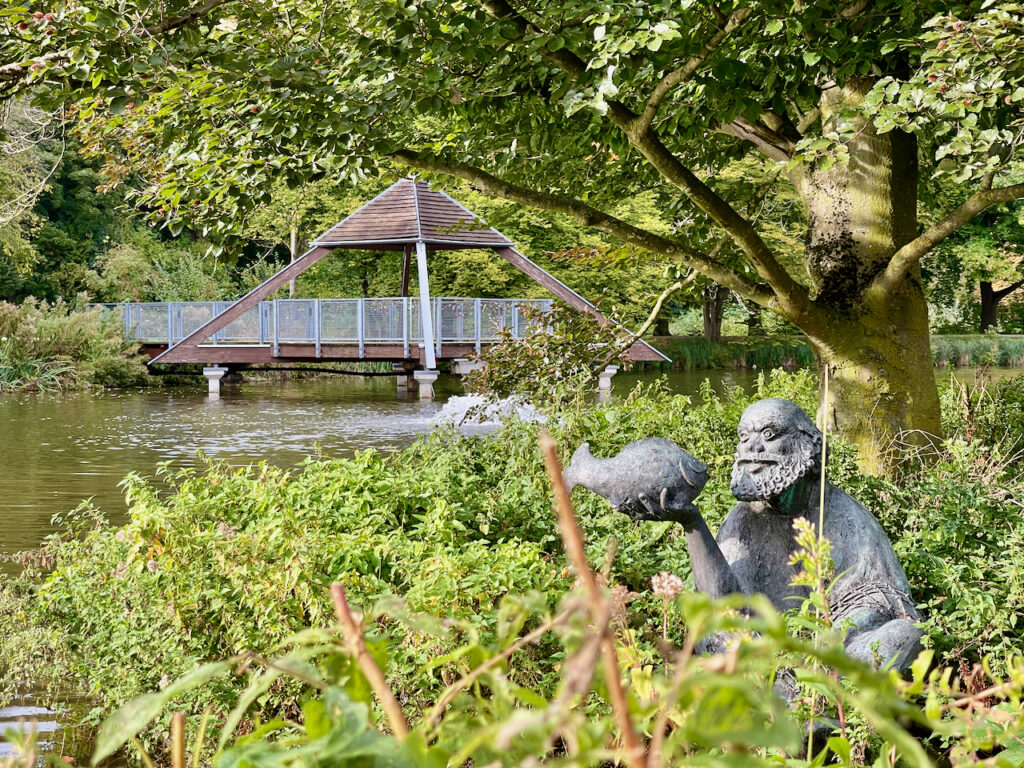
127	721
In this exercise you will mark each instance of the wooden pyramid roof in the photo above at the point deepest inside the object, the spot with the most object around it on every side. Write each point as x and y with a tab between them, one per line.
409	211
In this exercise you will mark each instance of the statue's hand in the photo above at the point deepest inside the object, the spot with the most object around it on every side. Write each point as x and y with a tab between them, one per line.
665	507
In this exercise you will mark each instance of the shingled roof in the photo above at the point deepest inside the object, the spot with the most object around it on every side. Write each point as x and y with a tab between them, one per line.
409	211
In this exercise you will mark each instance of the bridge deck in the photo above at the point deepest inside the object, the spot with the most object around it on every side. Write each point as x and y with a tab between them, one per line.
292	330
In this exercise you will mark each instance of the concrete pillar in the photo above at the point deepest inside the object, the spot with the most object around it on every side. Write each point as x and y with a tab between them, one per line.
463	366
214	374
425	381
604	380
406	383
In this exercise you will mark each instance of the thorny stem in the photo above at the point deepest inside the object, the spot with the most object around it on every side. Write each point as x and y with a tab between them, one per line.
572	539
357	647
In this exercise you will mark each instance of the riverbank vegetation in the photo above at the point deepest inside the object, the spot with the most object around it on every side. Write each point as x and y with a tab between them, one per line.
227	561
57	346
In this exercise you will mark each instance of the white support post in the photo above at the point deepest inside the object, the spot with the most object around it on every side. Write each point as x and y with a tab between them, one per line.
426	320
604	381
476	323
405	326
277	329
361	326
438	326
213	374
317	317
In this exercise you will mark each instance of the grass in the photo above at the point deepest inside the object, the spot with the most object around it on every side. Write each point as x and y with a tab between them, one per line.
790	352
978	349
692	352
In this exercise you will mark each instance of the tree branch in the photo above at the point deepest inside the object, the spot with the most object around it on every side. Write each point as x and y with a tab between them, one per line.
910	254
1002	293
772	143
591	217
179	21
685	72
635	336
791	300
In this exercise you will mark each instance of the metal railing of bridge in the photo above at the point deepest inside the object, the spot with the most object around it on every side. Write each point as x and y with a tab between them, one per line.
331	321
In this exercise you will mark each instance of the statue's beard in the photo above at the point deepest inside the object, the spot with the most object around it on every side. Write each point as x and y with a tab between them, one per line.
768	475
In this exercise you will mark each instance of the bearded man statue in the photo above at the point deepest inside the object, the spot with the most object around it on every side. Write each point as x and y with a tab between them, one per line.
776	479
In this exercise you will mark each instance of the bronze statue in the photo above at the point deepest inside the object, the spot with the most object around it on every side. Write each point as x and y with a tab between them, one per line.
776	479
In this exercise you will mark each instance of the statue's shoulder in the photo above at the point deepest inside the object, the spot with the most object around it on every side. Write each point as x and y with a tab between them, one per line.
844	506
737	521
855	531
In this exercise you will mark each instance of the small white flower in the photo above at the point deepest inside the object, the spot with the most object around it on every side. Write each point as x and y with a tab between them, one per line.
667	585
151	566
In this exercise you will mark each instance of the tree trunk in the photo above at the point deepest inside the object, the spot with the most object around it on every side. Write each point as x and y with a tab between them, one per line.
714	309
755	320
882	393
989	305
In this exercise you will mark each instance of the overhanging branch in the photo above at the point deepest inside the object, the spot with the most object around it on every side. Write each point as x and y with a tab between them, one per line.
907	257
189	16
592	217
791	299
687	71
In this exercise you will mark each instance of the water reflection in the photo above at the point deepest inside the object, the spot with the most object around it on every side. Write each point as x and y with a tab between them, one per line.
60	449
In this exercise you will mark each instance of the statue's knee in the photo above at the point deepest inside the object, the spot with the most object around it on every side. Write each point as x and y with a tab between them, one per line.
893	645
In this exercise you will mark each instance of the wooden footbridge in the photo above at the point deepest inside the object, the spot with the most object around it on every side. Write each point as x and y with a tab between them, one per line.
413	332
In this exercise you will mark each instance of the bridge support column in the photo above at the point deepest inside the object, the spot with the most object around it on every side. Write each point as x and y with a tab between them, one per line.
425	382
214	374
405	379
604	381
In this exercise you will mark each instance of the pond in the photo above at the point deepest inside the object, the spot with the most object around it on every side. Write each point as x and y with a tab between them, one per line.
62	448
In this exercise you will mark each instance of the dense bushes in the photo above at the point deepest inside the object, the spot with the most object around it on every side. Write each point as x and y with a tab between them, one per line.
240	559
764	352
757	352
978	349
54	346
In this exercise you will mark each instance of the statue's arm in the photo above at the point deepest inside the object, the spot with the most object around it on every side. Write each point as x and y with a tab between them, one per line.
712	573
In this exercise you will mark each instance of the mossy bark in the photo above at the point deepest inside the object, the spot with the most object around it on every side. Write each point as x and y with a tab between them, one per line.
882	392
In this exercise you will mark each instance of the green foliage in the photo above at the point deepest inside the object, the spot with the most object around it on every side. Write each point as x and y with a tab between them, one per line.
144	268
757	352
557	361
977	349
968	89
53	346
230	561
721	710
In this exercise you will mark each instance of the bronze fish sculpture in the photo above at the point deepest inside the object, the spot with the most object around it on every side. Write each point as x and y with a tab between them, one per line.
650	479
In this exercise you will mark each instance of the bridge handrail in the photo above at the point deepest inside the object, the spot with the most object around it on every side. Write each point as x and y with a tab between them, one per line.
362	321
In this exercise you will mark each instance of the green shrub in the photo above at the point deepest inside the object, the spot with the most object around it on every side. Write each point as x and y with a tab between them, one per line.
238	559
756	352
978	349
54	346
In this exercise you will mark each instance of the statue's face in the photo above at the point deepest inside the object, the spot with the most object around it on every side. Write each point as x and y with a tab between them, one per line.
776	448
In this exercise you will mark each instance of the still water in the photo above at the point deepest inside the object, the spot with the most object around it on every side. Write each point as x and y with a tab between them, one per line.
62	448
